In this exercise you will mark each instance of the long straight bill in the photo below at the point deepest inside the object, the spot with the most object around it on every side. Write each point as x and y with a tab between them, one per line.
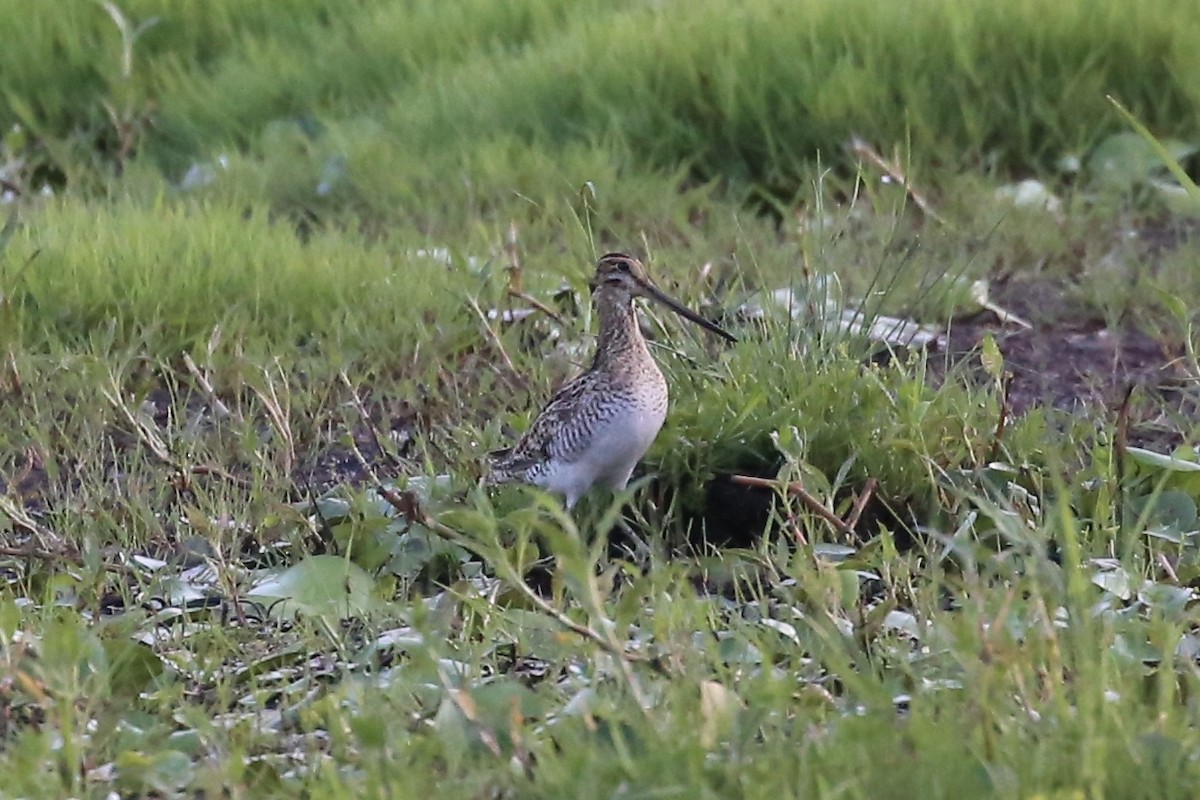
657	294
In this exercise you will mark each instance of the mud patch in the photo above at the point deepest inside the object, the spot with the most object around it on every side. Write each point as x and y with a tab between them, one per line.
1072	362
1067	360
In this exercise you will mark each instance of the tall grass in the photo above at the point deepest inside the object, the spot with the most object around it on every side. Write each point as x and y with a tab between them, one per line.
165	275
1007	625
751	92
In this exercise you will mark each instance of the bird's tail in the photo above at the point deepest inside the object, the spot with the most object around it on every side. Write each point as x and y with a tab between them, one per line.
496	469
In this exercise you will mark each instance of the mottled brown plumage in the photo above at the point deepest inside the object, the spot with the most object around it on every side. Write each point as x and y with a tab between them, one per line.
598	426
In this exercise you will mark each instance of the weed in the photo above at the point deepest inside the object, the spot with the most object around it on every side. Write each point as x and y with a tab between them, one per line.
282	274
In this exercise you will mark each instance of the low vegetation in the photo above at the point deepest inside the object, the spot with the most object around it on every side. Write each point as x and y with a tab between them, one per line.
276	277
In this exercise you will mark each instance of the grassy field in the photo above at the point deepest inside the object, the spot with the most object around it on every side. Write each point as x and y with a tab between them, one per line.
276	277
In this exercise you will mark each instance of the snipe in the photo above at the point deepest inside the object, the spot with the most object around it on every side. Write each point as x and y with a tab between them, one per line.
599	425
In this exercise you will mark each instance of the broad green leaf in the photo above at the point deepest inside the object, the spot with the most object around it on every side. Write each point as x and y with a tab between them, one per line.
165	772
738	651
132	666
1134	647
368	542
1126	159
493	713
318	585
1160	461
1170	601
1169	513
1169	156
1115	581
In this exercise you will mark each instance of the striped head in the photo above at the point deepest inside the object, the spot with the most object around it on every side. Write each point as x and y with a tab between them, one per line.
621	278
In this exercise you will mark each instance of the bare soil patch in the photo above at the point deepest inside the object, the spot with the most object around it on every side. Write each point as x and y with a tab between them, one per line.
1068	360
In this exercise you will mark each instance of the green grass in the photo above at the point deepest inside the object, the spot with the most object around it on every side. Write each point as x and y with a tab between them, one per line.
248	286
1013	88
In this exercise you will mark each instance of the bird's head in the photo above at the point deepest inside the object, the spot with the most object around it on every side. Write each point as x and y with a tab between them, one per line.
623	273
625	278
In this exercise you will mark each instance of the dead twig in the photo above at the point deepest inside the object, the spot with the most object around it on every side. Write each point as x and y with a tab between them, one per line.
219	472
465	704
365	416
1165	563
146	434
33	460
492	337
860	505
46	545
512	248
15	384
538	304
1120	448
278	416
796	527
218	406
980	294
47	540
860	147
32	551
464	701
1002	422
797	488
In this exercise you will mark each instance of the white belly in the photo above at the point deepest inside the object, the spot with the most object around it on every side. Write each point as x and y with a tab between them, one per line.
615	449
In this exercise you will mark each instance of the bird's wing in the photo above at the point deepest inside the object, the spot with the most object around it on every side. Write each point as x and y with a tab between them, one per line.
562	431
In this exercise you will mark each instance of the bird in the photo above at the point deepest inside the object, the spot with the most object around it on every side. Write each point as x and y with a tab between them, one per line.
596	428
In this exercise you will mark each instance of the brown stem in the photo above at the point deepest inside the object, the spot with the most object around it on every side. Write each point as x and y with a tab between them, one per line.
860	504
859	146
1002	422
797	488
538	304
1120	448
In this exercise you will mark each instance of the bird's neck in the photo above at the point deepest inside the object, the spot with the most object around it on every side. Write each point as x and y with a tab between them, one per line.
619	334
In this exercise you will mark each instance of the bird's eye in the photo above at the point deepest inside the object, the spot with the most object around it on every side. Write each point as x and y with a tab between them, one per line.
623	266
